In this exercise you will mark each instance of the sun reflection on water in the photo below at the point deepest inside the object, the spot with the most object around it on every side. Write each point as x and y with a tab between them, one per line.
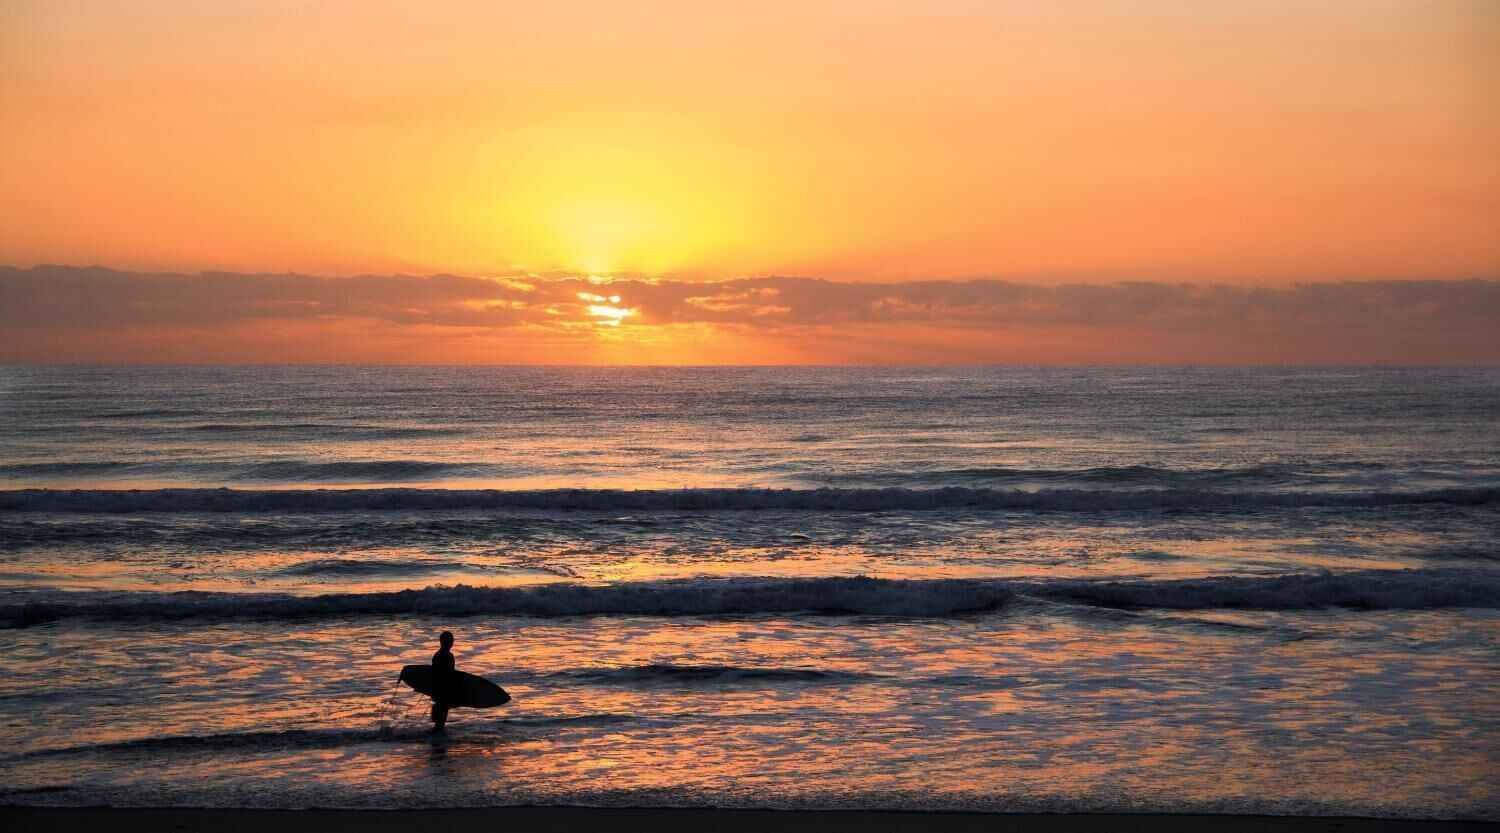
741	707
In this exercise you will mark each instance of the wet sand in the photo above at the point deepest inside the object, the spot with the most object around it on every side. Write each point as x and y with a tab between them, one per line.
563	819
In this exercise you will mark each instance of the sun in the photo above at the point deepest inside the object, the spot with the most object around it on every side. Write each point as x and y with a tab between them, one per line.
603	235
605	204
606	309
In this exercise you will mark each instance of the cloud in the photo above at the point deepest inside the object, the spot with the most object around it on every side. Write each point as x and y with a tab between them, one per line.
62	296
1430	320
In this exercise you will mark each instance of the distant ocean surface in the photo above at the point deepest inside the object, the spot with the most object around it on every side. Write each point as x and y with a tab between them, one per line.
1050	589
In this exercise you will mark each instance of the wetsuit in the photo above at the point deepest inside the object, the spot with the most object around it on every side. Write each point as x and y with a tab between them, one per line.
442	683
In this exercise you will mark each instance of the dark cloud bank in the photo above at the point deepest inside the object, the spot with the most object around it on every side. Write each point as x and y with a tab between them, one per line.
1440	321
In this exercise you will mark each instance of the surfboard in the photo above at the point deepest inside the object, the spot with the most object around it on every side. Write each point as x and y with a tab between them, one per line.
466	690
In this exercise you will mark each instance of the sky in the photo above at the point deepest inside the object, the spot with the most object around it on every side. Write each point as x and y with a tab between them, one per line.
1315	152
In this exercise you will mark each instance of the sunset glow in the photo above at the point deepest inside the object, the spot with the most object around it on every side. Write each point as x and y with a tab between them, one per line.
1259	141
1255	144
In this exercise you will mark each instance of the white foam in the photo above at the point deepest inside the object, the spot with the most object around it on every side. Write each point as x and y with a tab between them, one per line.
1384	589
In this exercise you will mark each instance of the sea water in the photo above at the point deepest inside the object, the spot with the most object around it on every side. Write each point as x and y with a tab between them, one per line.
1223	590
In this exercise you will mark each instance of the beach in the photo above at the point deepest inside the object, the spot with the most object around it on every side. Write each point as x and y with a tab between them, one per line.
685	820
1076	592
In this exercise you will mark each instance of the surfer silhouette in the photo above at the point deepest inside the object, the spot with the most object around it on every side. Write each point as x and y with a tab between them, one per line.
442	680
449	687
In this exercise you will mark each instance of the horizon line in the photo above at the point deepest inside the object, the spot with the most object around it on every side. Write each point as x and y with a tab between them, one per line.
912	365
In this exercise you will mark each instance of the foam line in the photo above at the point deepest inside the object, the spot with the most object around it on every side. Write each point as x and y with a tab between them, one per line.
1375	589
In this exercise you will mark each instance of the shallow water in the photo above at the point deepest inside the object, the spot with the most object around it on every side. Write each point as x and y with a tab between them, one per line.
1245	590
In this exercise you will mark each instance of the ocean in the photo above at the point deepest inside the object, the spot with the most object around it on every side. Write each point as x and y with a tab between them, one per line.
1241	590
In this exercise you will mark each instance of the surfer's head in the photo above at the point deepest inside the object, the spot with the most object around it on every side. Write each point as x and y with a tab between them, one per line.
446	639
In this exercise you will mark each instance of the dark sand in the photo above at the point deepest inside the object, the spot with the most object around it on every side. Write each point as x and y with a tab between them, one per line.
567	819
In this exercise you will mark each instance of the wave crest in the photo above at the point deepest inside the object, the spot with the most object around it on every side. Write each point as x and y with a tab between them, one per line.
858	595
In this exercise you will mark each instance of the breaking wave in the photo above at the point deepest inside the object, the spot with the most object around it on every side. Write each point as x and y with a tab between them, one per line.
859	595
856	595
741	499
1137	476
1422	589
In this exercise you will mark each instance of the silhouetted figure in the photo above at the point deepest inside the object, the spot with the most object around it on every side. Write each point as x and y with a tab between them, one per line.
442	680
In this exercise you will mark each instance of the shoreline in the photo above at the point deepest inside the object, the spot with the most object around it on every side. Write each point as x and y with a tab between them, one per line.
682	820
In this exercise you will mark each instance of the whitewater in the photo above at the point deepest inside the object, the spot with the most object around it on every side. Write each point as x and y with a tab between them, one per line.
1055	589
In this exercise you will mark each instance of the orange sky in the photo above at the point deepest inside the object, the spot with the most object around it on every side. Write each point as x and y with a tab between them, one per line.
1245	142
1263	140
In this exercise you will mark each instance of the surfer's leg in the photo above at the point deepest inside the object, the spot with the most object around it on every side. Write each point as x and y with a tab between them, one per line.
439	716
